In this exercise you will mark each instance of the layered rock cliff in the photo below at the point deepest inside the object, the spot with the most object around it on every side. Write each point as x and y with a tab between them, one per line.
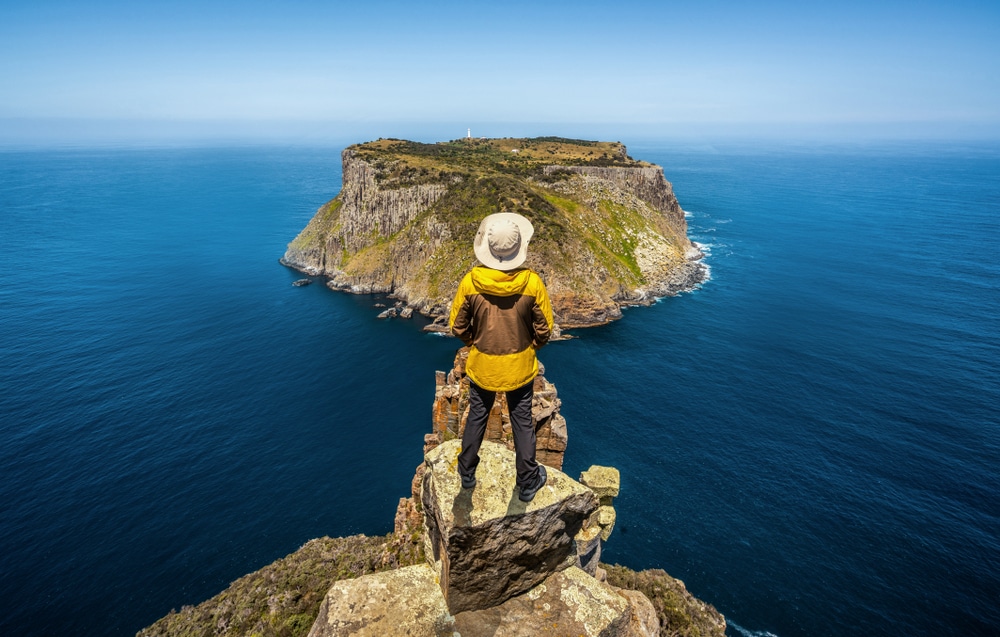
608	229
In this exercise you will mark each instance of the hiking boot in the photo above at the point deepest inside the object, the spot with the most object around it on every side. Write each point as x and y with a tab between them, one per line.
468	481
528	493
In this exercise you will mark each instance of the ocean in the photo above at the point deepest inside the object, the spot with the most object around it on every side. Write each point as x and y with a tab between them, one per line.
810	440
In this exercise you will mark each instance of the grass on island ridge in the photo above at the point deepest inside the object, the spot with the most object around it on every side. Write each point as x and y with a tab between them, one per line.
402	163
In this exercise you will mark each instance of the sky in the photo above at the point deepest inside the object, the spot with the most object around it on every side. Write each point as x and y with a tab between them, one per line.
911	67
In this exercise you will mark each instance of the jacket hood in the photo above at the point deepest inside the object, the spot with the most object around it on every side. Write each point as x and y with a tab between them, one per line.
500	283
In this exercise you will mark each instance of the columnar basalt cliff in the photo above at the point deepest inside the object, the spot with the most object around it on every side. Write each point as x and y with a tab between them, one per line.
609	230
451	409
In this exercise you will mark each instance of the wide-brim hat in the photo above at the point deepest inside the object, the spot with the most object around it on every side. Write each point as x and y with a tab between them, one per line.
502	240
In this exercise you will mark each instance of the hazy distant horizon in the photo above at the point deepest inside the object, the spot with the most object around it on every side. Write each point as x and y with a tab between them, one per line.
57	132
111	71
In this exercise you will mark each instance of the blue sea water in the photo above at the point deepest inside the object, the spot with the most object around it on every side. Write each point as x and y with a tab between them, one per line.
810	440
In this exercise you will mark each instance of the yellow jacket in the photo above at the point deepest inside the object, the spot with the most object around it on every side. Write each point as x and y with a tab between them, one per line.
503	317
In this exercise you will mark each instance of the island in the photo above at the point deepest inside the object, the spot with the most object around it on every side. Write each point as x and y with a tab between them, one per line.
609	231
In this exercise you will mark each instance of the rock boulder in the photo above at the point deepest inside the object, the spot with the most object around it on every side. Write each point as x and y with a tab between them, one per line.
406	601
568	603
489	545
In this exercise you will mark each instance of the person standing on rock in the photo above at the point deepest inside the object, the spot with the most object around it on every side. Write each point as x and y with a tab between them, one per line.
502	312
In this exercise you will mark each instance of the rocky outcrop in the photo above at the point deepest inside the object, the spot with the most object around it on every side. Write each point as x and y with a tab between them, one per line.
451	409
470	562
645	183
406	601
604	483
678	612
409	602
403	223
505	567
490	545
569	603
642	223
496	566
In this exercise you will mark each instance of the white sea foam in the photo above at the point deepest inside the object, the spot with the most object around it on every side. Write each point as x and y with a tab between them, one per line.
749	633
708	276
711	249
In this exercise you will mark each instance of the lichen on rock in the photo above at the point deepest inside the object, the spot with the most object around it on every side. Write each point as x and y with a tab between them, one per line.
406	601
490	545
569	602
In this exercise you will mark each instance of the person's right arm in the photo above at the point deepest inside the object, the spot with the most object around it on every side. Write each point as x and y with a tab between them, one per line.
460	319
541	316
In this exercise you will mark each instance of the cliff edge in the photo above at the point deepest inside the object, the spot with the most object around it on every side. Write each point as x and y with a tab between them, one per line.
465	562
609	231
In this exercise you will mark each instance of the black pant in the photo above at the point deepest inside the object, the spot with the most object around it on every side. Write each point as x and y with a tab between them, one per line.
519	404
